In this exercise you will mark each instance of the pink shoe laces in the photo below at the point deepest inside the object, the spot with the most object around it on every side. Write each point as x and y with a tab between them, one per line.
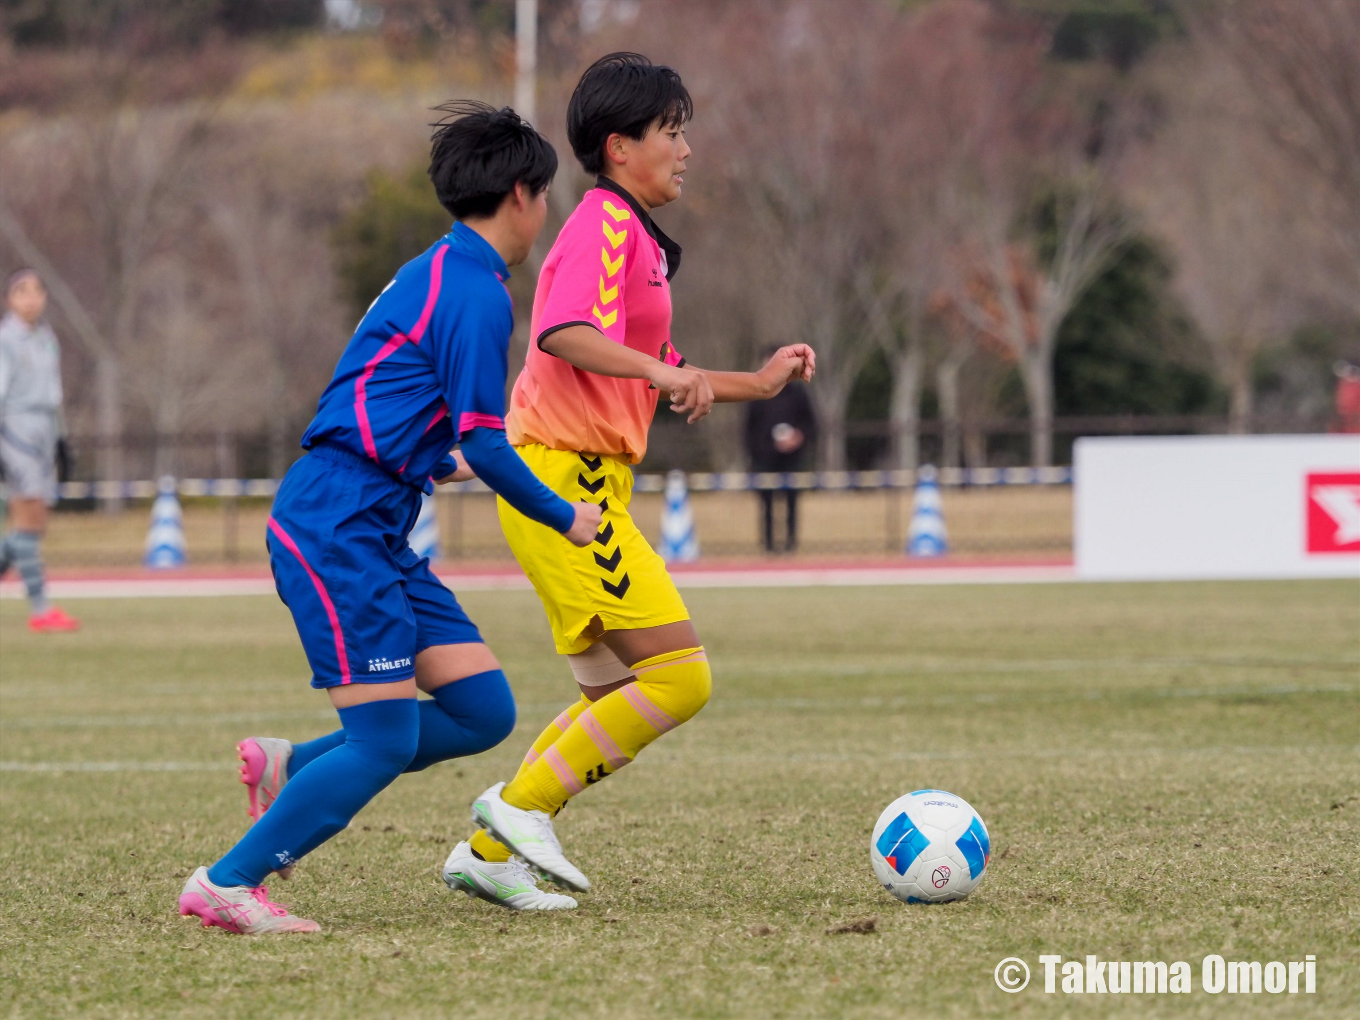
261	895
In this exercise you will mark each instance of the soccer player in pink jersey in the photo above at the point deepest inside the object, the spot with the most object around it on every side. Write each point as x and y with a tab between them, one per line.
601	356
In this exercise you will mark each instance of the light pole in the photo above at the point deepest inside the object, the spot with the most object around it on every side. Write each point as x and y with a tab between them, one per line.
526	57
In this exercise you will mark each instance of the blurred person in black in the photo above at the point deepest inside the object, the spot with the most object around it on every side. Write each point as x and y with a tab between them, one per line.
780	433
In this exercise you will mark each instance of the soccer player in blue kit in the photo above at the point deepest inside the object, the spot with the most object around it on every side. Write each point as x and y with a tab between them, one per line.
425	369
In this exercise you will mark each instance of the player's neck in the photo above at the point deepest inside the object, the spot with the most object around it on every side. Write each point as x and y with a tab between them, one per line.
497	233
619	177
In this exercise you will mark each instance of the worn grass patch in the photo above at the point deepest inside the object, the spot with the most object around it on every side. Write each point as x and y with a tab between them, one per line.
1167	771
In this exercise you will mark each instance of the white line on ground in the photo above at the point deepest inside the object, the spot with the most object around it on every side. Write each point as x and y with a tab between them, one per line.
115	766
60	767
80	722
77	722
909	667
1044	753
1030	698
182	587
148	588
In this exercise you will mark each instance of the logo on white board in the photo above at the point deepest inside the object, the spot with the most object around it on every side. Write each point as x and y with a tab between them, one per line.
1333	511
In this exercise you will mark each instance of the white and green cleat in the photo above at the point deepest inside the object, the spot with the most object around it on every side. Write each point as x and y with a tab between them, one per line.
530	835
507	884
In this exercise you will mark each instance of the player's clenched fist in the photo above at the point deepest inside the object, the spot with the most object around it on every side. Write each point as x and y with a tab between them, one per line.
690	391
796	361
587	524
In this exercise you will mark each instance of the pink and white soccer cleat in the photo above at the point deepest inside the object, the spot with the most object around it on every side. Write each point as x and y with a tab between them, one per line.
238	909
264	770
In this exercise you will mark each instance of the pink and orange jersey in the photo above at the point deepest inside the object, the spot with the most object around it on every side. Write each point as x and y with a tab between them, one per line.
610	268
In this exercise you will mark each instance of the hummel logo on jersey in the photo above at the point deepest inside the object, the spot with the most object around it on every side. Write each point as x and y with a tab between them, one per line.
383	665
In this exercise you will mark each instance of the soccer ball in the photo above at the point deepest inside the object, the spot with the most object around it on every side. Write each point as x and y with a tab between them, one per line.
929	847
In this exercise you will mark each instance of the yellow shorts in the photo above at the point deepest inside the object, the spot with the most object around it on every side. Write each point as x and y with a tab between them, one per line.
619	578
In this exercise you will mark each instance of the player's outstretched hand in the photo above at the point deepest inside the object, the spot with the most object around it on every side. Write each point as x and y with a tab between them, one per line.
796	361
463	473
691	392
587	524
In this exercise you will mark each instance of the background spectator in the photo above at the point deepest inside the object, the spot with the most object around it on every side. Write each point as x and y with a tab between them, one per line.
1347	398
30	429
780	434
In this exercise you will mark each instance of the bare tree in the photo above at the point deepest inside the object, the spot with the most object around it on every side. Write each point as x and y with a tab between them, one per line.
786	144
126	168
1301	61
1013	145
1213	186
931	87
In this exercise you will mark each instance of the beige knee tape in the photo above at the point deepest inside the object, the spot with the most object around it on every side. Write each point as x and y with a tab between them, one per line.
598	666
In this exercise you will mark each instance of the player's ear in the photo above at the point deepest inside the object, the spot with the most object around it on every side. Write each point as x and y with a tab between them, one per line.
616	148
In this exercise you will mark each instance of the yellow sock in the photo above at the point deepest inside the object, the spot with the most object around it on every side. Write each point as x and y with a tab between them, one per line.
552	731
488	847
669	690
482	841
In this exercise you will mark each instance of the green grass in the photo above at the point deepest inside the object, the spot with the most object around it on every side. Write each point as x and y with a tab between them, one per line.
1167	771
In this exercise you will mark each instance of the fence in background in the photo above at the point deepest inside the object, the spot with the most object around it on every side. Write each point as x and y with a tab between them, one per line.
993	504
988	511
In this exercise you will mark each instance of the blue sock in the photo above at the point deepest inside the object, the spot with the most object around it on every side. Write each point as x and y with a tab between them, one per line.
466	717
320	800
304	754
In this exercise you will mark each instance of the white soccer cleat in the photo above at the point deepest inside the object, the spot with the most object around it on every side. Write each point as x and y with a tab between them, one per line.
506	884
238	909
530	835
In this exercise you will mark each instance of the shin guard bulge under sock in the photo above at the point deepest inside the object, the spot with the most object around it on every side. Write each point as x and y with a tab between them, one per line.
669	690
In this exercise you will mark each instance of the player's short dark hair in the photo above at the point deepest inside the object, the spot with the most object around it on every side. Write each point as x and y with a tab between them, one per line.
478	154
25	271
623	93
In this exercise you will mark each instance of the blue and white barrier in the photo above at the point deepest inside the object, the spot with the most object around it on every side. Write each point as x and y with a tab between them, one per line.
833	481
698	481
186	487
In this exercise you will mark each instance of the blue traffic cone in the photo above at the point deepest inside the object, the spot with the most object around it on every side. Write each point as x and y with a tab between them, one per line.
678	541
424	536
165	547
927	535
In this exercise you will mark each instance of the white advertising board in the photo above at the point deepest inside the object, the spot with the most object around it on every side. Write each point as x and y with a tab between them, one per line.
1203	507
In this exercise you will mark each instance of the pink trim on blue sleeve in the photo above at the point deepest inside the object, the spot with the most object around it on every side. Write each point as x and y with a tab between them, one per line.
469	420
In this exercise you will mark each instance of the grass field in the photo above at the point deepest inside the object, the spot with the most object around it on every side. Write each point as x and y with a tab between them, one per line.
1167	771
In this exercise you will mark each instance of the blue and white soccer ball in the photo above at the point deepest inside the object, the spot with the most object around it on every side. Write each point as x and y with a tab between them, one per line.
929	847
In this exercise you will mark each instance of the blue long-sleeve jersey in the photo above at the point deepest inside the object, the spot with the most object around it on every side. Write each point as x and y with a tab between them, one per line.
426	365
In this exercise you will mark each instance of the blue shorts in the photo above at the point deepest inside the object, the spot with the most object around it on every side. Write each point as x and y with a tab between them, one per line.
364	603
